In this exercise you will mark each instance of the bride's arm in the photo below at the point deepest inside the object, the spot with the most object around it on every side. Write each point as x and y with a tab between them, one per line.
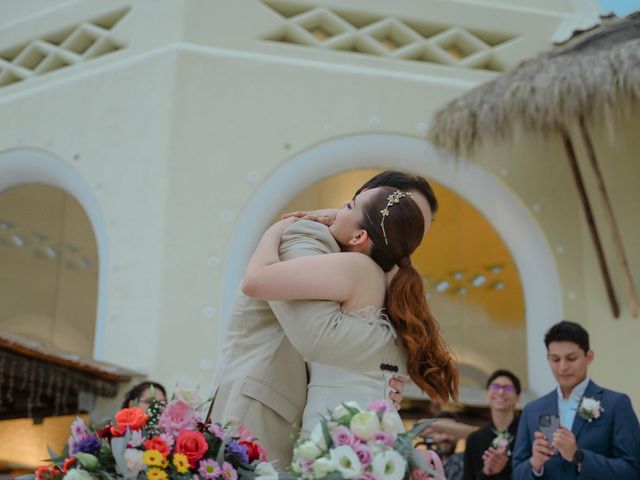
330	276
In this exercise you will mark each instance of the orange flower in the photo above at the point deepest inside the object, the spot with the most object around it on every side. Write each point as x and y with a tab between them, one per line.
132	418
156	443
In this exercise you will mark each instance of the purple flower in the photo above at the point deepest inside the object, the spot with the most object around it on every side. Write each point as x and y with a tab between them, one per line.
364	454
228	472
89	444
78	429
217	431
236	452
341	435
209	469
167	438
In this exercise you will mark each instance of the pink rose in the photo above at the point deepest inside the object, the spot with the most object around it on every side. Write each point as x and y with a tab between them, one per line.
379	406
364	454
387	438
177	416
596	413
341	435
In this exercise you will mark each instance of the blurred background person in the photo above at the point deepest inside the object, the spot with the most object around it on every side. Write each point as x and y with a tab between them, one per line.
488	450
142	394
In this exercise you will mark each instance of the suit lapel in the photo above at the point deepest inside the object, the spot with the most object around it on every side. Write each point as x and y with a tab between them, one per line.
592	391
550	404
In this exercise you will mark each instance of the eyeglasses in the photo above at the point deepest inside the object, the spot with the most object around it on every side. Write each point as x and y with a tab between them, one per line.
496	387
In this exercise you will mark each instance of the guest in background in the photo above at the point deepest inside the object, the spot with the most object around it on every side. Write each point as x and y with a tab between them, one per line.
142	394
445	447
488	450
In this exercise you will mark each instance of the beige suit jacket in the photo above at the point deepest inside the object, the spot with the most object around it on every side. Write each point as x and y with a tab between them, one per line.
262	377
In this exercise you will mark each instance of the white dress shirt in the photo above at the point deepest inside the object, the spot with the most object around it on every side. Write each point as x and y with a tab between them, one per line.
567	408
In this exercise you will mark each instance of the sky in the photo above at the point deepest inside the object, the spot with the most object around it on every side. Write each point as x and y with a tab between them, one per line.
619	7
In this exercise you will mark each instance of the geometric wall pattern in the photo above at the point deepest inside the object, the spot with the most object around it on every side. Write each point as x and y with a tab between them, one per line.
60	49
390	36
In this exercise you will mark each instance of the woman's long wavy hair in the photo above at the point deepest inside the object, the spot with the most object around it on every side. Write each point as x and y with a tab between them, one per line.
430	363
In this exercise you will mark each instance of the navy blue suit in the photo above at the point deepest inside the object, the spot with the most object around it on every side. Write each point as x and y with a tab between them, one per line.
611	443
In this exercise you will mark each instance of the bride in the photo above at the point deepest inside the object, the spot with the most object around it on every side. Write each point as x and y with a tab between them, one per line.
377	231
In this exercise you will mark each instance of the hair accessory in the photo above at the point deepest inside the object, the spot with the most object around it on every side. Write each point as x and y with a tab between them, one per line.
392	199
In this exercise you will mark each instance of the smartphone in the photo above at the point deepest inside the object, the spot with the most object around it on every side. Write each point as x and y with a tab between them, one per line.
548	424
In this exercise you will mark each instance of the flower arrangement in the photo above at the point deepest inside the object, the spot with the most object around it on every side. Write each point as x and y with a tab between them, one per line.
362	444
169	442
590	409
502	441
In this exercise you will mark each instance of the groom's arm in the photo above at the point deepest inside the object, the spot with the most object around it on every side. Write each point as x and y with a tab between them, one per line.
319	330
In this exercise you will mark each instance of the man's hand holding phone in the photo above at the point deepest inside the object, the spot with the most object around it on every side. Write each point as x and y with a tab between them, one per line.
565	441
542	448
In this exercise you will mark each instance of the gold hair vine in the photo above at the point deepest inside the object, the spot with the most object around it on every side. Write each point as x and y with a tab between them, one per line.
392	199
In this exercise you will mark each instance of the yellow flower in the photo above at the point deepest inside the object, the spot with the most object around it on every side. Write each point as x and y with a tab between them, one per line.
153	458
181	462
156	474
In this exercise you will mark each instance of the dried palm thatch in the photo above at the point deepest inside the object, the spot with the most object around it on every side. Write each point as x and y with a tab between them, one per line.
595	75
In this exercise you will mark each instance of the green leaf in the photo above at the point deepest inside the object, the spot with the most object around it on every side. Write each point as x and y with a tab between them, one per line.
326	434
88	461
26	476
420	426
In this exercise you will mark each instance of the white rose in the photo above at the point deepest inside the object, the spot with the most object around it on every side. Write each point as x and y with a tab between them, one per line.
323	466
134	462
265	471
341	411
309	450
389	465
317	436
190	396
77	474
365	424
347	461
590	403
391	423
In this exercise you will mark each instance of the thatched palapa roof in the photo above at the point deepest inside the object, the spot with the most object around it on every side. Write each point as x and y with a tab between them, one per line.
596	74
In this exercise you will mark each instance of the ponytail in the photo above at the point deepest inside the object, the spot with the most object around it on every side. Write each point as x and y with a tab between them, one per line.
430	364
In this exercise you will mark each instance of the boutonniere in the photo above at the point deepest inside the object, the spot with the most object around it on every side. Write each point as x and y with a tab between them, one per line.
502	441
590	409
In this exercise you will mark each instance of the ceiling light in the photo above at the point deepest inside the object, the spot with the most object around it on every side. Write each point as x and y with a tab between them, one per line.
4	225
458	275
495	269
499	286
39	237
18	240
441	286
51	251
478	280
462	291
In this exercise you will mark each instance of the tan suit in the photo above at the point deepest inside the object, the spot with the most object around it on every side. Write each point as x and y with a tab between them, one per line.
262	379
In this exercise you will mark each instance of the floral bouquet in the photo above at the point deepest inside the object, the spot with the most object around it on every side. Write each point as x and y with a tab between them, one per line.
502	441
170	441
361	444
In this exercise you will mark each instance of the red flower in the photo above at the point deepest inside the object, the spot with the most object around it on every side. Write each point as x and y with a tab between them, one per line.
105	432
48	473
192	444
132	418
255	451
68	463
156	443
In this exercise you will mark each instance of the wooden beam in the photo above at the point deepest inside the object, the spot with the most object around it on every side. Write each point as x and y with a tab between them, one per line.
611	220
586	206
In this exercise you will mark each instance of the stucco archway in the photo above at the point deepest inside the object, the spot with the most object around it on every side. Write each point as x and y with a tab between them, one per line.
503	209
25	165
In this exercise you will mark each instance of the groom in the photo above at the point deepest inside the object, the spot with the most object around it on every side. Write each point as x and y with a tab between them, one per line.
598	437
262	379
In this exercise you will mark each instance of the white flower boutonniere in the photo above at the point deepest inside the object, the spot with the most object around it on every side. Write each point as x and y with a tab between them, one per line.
590	409
502	441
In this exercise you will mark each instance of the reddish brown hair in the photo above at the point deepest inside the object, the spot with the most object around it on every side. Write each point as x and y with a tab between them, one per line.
430	363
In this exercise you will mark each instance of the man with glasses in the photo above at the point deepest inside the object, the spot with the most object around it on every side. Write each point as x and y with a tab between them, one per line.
488	451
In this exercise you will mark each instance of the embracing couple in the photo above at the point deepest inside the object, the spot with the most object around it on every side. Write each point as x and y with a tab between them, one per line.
335	313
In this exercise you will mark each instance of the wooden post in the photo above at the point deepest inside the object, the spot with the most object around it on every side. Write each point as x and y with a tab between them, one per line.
586	206
611	220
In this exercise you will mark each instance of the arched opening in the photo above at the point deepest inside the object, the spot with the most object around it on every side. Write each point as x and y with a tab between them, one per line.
498	205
